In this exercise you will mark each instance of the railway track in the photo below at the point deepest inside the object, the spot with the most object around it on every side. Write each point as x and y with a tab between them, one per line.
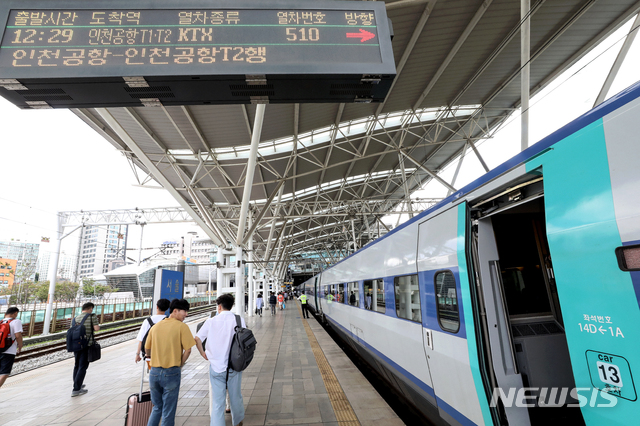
52	348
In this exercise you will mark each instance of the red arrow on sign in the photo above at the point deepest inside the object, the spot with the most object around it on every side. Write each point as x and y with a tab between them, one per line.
362	35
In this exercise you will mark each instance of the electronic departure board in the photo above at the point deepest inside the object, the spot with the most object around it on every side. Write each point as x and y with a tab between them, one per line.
105	53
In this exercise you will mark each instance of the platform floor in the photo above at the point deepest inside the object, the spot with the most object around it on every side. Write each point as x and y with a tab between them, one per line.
299	376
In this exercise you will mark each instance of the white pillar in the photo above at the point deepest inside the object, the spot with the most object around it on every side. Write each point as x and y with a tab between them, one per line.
239	306
525	32
250	282
209	288
353	234
251	168
140	246
219	275
53	272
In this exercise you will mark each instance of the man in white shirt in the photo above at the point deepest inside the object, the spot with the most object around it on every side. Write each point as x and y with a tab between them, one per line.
7	357
218	332
161	307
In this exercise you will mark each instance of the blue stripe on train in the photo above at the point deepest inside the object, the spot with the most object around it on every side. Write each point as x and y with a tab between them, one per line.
459	417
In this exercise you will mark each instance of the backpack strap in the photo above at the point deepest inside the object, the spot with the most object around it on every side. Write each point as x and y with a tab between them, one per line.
238	323
83	319
151	323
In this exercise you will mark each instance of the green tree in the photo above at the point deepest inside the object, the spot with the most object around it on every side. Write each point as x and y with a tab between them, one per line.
63	291
67	290
42	291
90	288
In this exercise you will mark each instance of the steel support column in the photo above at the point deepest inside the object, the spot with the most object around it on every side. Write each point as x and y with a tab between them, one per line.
250	282
239	306
618	62
251	168
140	246
53	275
220	265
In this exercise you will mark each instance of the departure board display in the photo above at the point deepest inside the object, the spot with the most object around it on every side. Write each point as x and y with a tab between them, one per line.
195	41
90	53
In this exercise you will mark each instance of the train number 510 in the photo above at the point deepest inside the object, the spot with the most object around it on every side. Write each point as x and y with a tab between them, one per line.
303	34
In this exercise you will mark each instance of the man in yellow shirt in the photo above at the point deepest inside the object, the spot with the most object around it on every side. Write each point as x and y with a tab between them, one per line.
169	345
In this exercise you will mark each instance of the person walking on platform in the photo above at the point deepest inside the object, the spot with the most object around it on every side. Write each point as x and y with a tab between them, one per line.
280	300
14	333
168	345
272	303
259	304
218	332
303	303
352	299
81	365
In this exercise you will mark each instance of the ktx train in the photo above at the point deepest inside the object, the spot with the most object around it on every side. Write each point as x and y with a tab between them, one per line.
516	299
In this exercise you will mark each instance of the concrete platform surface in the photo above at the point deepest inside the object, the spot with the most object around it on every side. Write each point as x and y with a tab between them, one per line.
284	384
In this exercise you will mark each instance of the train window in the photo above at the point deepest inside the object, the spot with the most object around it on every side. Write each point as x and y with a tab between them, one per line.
407	297
354	295
447	301
340	293
374	295
629	257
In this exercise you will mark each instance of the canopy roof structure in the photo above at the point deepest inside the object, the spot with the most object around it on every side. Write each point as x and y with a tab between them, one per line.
327	173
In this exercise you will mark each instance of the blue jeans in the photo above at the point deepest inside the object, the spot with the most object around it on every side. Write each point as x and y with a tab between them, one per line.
218	395
165	387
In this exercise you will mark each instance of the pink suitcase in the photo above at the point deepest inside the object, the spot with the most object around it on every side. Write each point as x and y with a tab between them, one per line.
139	406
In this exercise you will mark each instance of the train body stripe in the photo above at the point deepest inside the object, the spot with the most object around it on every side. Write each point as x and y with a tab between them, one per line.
419	383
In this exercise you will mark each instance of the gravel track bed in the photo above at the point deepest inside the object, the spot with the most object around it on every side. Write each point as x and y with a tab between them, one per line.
30	364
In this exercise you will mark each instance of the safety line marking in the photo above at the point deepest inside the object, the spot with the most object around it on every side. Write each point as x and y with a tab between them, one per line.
339	401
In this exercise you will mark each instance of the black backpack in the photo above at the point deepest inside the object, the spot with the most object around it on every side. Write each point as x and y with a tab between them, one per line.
243	346
77	338
143	351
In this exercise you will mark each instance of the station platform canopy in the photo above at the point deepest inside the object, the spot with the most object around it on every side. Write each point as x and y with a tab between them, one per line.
327	172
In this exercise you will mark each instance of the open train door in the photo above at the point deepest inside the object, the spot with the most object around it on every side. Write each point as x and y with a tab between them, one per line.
528	344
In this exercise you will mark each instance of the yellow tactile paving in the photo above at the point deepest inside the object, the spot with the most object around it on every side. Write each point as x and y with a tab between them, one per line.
339	401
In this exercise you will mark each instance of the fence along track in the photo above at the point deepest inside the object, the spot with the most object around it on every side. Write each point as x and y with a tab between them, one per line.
119	309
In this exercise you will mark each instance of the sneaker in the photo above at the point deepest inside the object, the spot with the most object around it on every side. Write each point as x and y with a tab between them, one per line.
79	392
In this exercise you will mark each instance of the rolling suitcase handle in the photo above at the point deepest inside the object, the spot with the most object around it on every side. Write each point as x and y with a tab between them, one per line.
144	363
139	406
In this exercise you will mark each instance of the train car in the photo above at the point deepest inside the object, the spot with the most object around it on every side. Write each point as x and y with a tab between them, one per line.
516	299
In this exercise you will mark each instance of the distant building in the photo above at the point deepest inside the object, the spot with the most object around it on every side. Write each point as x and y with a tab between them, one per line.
194	251
100	245
7	268
66	266
26	255
191	249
